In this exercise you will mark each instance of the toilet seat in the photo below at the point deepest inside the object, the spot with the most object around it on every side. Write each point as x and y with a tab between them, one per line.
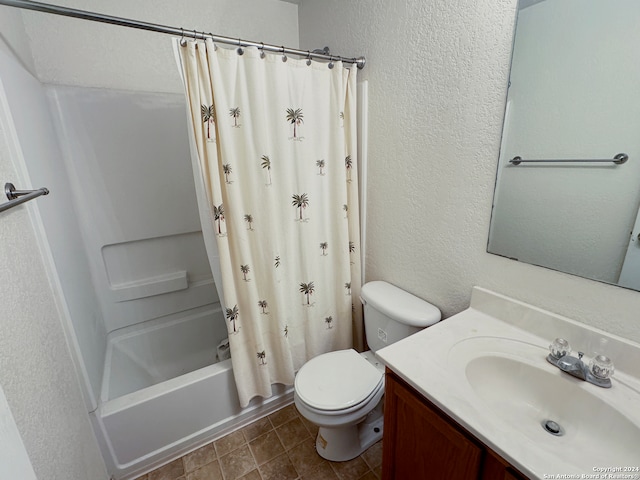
337	382
375	395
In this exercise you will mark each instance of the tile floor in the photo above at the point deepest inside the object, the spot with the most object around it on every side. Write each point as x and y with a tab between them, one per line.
278	447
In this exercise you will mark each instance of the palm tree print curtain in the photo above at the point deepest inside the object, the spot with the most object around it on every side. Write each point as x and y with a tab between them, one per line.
276	142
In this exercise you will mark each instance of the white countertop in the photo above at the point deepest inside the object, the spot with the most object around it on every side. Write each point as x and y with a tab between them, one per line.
434	361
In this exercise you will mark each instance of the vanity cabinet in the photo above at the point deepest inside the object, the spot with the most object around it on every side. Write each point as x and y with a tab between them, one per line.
422	442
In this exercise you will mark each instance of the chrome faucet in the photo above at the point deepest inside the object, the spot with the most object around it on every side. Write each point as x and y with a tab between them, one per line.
598	372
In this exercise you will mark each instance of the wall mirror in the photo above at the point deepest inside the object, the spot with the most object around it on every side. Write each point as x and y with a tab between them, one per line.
574	94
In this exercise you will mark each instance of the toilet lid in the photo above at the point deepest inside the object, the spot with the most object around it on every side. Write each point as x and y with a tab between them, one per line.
336	380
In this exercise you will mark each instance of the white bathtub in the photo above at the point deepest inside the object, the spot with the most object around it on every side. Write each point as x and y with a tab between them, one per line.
148	415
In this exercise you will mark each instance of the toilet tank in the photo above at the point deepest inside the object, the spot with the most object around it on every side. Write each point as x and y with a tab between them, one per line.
391	314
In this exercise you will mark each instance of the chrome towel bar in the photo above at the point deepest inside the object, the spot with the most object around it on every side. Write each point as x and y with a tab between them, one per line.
619	159
16	197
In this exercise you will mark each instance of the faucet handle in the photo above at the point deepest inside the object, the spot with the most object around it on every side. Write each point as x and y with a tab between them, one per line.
601	367
580	355
559	348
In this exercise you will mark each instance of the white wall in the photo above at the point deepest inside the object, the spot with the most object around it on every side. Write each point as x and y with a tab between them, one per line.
437	76
564	102
75	52
36	370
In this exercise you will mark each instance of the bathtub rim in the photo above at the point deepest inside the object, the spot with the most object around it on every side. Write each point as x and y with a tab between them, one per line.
198	440
263	407
153	391
258	408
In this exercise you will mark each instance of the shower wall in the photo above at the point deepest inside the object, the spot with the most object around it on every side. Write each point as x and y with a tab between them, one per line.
127	154
90	54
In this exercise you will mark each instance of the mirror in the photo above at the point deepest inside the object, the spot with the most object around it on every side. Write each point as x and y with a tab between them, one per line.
573	95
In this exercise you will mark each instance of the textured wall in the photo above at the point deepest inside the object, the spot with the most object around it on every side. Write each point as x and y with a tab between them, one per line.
437	74
36	371
25	99
99	55
14	460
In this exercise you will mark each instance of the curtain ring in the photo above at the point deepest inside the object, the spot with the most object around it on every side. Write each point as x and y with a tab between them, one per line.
284	56
262	54
183	41
240	50
308	57
330	65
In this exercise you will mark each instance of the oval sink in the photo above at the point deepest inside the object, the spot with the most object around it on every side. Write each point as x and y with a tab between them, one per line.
525	395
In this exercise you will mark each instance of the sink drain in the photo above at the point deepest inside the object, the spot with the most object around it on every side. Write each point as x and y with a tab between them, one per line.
552	427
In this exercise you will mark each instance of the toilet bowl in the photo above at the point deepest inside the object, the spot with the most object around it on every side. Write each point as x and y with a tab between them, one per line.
342	391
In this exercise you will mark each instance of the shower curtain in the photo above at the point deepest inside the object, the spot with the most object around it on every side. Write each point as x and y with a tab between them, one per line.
276	141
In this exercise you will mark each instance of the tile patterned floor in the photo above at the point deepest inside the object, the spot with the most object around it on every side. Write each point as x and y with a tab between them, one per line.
278	447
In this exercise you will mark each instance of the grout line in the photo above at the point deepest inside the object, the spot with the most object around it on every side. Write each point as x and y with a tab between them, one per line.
246	443
253	456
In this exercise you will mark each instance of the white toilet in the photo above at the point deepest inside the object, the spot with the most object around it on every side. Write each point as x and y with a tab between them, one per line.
342	391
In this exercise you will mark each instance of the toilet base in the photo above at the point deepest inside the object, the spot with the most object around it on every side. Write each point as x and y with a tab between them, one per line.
346	443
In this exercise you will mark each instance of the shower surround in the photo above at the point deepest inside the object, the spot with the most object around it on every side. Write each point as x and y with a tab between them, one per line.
140	303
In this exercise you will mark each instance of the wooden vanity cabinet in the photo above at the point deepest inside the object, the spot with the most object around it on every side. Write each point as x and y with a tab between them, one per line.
423	443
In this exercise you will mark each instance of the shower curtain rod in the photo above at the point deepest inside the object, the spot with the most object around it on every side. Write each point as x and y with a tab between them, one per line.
153	27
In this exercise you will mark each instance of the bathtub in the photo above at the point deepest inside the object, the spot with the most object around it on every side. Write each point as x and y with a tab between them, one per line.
164	393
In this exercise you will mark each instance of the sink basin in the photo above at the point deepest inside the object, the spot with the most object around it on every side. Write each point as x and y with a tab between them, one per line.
525	396
521	390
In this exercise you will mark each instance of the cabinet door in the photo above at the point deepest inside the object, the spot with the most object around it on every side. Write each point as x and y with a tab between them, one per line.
495	468
419	444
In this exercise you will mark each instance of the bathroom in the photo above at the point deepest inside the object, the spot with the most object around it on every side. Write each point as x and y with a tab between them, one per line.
437	80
